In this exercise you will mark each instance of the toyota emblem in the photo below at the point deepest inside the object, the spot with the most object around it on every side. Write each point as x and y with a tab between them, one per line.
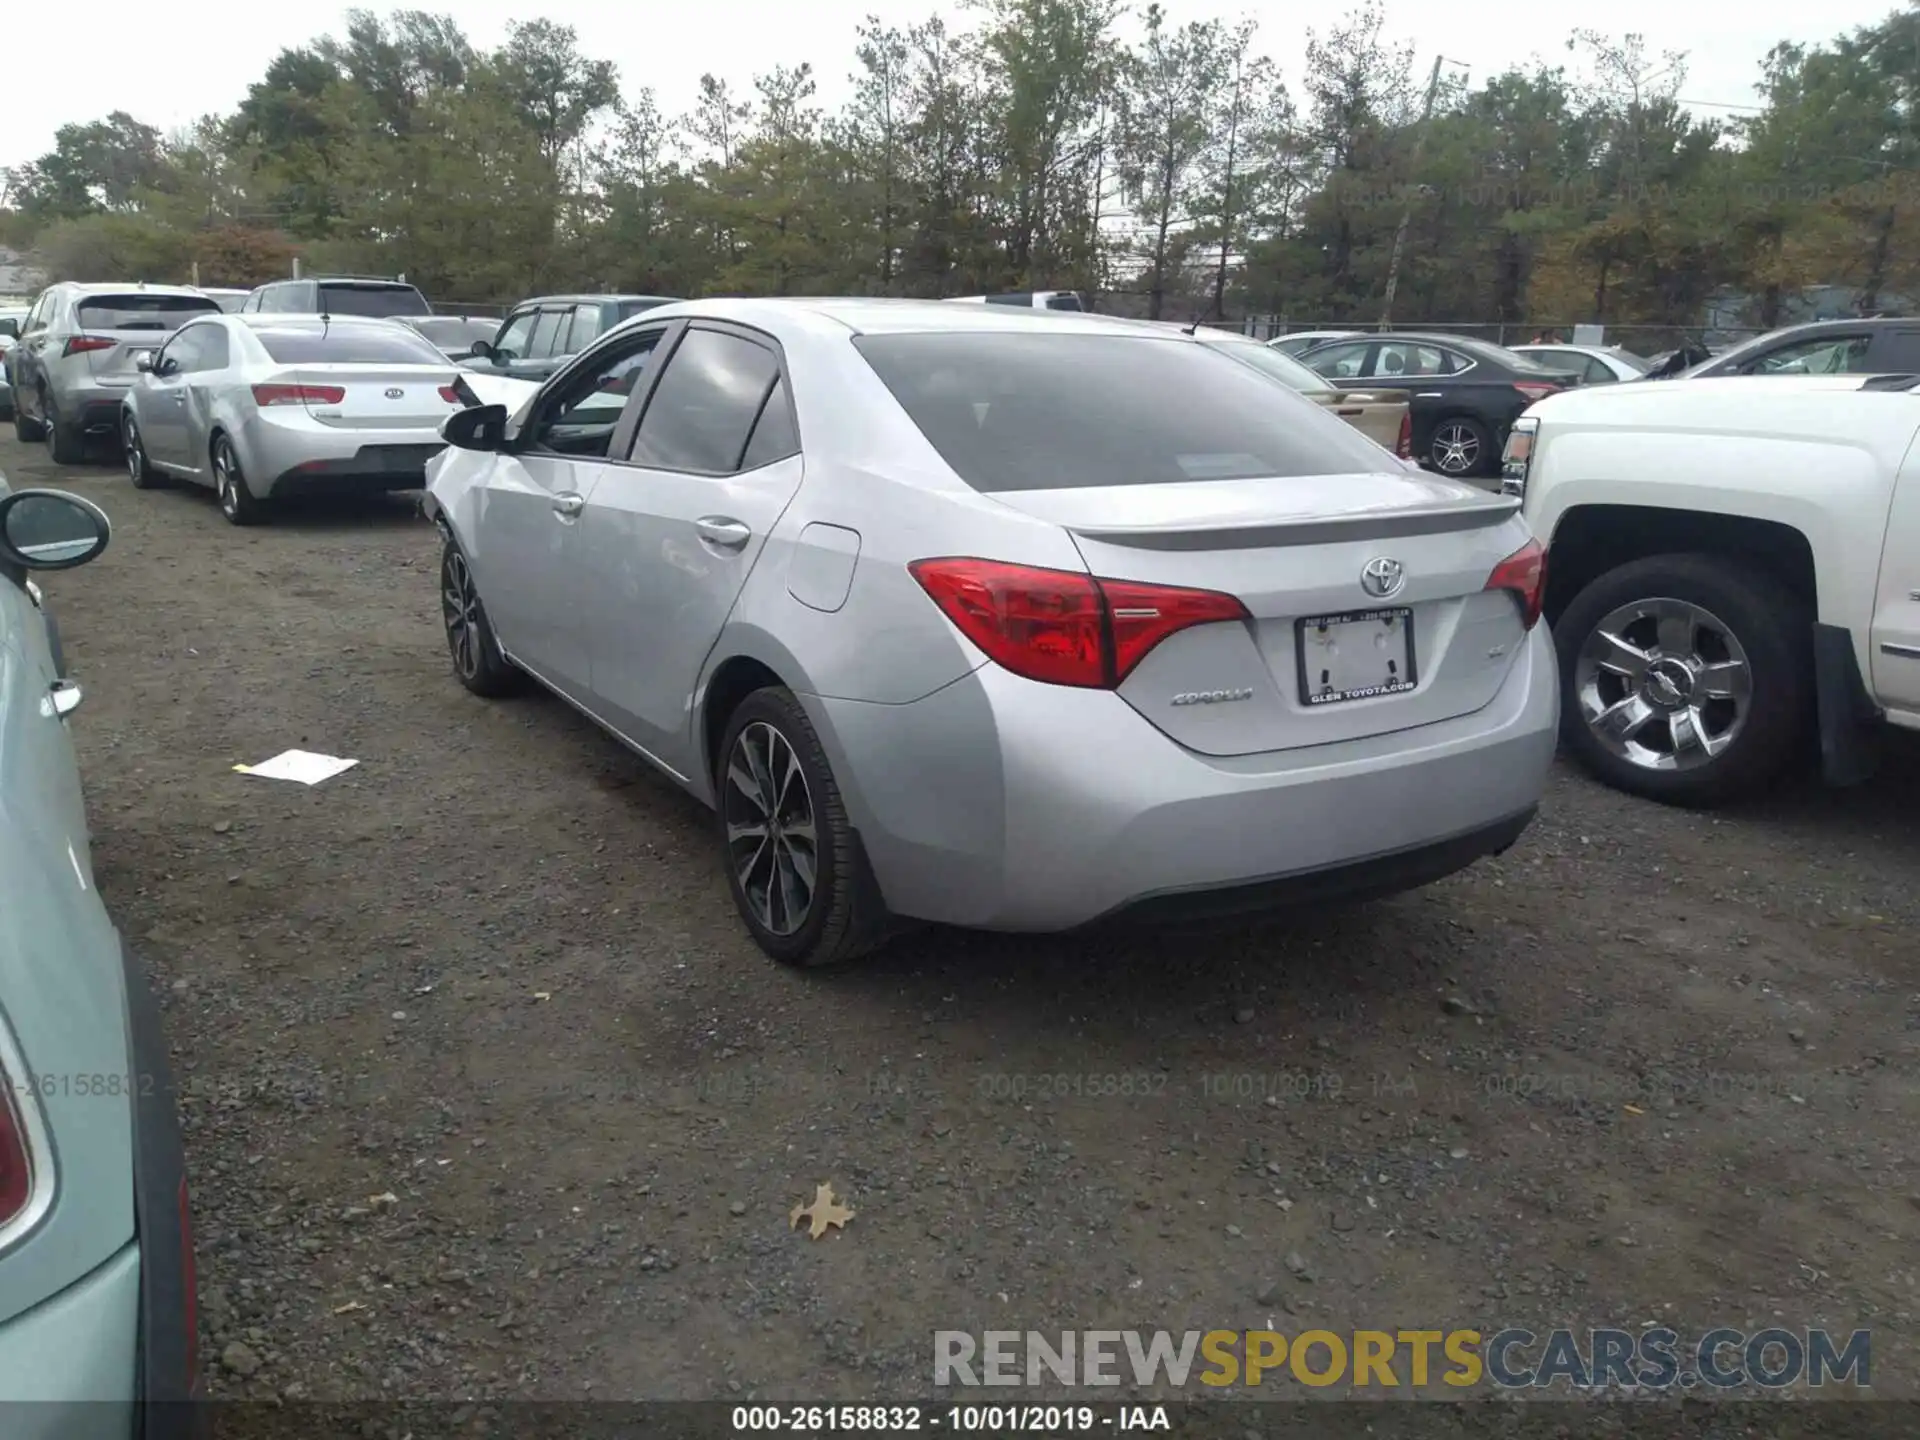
395	393
1381	577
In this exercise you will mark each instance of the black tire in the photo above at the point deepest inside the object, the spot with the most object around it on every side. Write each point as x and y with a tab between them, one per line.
1454	433
478	662
1771	628
65	443
236	501
844	916
143	475
26	429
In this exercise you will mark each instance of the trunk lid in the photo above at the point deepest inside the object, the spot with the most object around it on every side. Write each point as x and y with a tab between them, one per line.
1293	551
376	397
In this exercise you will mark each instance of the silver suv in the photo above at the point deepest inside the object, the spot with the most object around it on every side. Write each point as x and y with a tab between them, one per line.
368	295
78	352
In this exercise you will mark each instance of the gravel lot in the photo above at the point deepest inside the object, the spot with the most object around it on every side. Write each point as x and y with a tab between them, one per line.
488	1095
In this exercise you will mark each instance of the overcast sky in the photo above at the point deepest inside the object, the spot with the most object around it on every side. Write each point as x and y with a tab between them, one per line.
182	61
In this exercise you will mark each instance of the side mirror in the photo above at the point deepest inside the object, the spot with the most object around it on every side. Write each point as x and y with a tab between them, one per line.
143	362
478	427
482	350
51	530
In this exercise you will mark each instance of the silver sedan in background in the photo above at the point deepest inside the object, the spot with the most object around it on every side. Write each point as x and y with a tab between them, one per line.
1002	618
262	407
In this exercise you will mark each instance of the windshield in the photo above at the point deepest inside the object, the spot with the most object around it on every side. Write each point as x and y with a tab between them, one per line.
454	332
1282	367
142	312
343	345
380	301
1012	411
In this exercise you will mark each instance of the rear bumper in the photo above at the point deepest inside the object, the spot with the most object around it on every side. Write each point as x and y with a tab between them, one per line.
1002	804
299	456
96	408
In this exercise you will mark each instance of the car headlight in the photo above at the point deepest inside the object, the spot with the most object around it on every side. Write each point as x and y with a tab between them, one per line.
1517	459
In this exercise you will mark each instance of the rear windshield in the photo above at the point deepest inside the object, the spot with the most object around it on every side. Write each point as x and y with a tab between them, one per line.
1499	354
337	298
454	332
1054	412
1065	300
356	346
164	313
630	308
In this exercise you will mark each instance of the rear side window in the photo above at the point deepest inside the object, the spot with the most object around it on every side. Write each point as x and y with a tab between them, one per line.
379	301
705	403
344	346
586	325
1066	300
774	436
164	313
1053	412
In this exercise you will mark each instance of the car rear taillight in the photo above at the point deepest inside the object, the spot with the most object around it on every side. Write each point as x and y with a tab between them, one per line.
450	394
81	344
16	1160
298	394
1524	573
1403	447
1535	390
1064	627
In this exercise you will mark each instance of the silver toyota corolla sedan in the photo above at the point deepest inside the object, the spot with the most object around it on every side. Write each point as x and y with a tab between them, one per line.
261	407
1001	618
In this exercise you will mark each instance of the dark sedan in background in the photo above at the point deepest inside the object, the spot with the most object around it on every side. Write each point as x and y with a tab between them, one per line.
1465	393
542	334
1822	347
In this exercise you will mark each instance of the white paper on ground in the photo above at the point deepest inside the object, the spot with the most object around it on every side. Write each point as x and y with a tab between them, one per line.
303	767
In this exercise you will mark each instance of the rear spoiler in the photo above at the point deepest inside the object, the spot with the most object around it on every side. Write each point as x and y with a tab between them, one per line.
1423	520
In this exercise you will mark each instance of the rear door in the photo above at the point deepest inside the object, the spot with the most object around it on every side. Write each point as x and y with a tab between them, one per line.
671	536
1895	350
1171	465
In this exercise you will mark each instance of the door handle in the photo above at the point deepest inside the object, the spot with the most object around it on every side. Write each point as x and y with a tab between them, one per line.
1355	410
718	530
1427	395
63	698
569	505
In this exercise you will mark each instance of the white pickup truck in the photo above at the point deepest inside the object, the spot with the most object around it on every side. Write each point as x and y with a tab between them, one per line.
1733	566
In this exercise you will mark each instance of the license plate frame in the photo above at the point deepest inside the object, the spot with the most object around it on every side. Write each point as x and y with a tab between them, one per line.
1400	615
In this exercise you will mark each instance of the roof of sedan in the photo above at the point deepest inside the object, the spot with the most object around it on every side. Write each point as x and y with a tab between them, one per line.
875	316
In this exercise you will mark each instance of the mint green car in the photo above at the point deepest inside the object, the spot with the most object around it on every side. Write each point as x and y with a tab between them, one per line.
97	1296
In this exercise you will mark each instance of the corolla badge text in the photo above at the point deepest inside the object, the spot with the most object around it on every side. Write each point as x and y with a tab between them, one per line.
1211	697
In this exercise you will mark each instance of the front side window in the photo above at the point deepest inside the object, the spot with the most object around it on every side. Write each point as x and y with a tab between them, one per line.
511	342
1016	411
703	410
581	417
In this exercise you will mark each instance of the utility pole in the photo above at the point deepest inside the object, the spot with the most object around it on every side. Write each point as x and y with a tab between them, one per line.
1406	214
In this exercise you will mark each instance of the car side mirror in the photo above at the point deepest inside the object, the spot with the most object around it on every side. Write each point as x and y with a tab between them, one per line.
478	427
51	530
482	350
143	363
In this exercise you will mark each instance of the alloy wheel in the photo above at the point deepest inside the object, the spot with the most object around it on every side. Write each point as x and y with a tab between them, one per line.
223	480
460	606
1455	448
136	461
772	836
1663	684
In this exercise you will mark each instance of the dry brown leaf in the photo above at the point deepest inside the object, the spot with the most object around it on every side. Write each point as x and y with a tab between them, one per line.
824	1211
